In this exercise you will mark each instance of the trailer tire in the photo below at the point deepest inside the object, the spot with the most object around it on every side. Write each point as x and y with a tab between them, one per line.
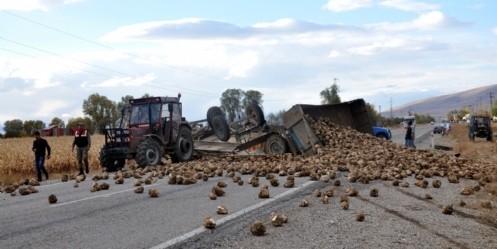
221	128
255	114
212	112
472	137
149	153
183	148
275	145
111	164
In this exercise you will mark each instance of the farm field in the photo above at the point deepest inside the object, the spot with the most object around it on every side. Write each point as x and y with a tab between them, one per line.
17	159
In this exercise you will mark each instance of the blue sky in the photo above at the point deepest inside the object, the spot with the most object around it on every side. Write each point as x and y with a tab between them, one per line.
55	53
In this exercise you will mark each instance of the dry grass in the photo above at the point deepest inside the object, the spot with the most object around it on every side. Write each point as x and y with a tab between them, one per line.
17	159
480	150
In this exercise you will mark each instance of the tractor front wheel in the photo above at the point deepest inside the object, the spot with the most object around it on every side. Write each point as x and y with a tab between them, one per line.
183	147
108	162
149	153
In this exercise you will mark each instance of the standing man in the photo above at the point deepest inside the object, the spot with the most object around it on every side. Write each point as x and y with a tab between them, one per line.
83	142
409	139
40	148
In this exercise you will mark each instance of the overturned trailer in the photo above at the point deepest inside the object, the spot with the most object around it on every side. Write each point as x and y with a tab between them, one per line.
295	135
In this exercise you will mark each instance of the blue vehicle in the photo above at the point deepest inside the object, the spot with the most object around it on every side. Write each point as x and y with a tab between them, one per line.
382	132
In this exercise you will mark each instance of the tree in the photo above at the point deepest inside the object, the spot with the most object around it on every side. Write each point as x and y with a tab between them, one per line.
72	123
13	128
57	121
252	96
146	95
231	103
102	111
124	102
373	114
275	118
30	126
330	95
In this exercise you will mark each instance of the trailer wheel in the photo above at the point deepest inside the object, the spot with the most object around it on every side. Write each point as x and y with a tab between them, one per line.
221	128
149	153
183	149
275	145
254	114
490	137
111	164
212	112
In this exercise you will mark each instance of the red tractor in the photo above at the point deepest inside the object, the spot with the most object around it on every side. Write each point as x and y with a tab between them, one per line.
150	128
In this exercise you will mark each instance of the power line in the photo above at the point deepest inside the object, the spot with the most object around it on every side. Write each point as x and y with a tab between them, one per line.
111	48
114	49
192	91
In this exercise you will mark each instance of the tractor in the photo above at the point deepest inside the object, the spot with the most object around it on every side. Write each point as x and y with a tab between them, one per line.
480	126
149	129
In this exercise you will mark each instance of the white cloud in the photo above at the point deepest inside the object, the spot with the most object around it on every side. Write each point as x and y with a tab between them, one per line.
334	54
377	47
433	20
32	5
408	5
124	81
495	30
48	108
242	64
346	5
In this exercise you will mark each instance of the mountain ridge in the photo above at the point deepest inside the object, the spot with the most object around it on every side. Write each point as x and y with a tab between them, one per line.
474	100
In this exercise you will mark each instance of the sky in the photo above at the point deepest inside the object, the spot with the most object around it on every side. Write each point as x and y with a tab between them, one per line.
56	53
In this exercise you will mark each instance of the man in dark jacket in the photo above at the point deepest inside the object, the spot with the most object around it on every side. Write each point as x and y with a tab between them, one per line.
83	142
40	148
409	137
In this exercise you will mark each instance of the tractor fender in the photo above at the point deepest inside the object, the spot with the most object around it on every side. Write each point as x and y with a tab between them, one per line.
155	138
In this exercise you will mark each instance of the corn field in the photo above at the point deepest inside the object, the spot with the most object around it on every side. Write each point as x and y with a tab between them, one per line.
17	158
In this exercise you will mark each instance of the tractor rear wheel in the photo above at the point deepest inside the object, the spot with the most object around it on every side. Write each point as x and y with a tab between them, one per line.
183	148
212	112
109	163
254	114
221	128
149	153
275	145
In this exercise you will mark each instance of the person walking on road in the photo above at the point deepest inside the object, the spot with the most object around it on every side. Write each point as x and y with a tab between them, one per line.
409	135
41	149
82	141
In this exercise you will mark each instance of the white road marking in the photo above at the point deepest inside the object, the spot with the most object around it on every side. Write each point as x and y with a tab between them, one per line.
100	196
199	230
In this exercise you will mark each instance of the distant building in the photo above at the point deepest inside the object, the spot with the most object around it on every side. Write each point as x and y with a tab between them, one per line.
53	131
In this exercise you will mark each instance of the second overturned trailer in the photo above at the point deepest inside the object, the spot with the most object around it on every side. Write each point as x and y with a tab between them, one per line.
295	135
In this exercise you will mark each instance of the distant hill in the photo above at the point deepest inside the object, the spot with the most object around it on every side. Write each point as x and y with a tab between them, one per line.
474	100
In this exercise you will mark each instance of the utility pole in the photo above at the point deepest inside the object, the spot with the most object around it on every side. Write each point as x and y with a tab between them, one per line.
391	110
491	94
379	116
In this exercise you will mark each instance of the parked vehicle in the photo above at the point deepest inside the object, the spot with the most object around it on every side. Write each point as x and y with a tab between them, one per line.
382	132
480	126
439	128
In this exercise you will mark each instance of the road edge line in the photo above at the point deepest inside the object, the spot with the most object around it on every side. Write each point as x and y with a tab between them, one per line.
199	230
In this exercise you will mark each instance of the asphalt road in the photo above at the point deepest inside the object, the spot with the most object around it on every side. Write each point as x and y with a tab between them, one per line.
120	218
